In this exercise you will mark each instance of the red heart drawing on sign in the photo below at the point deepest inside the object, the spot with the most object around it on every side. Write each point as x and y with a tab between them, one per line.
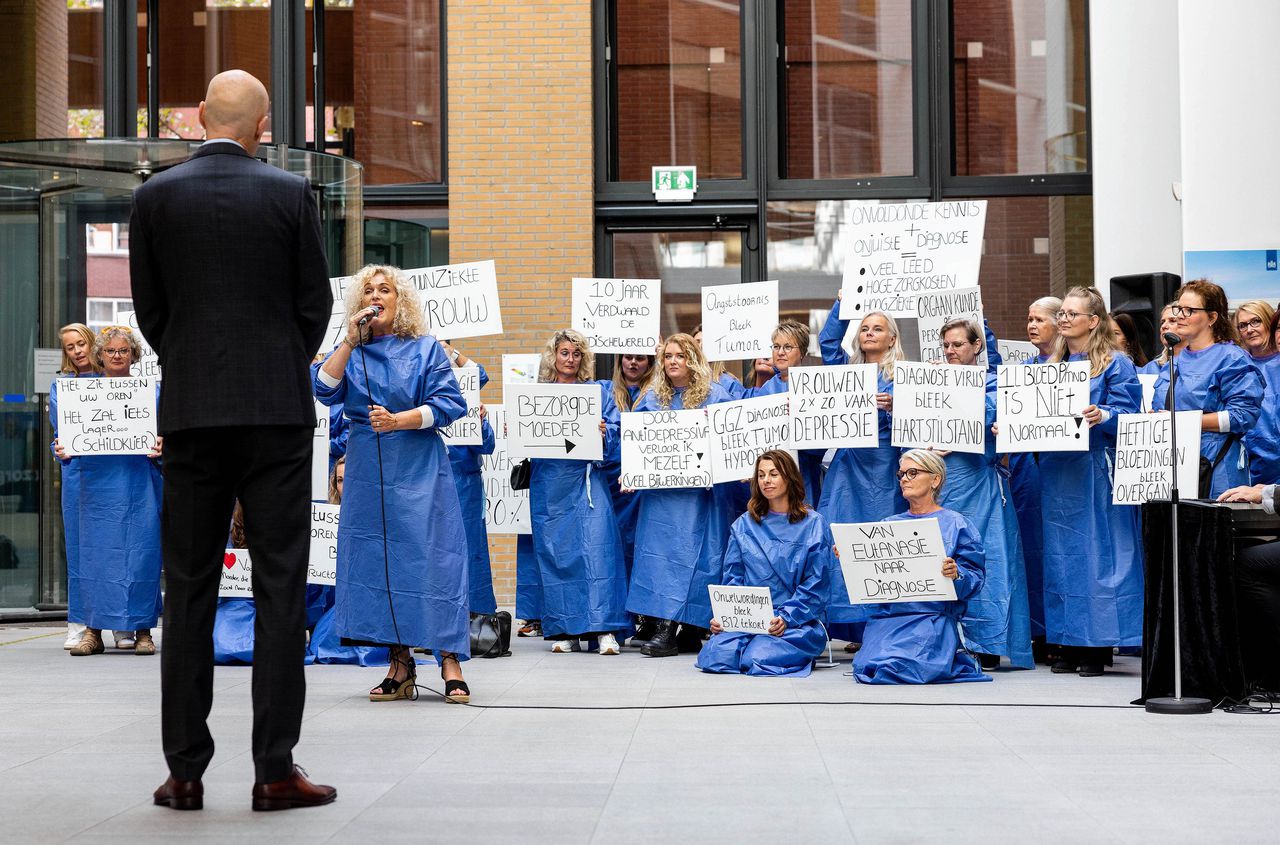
229	560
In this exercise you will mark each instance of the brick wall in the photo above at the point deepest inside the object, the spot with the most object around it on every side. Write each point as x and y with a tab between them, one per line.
520	174
33	61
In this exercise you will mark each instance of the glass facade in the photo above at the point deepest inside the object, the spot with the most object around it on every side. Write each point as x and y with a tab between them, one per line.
685	261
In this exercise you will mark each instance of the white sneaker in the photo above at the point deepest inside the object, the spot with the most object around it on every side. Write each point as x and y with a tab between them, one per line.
124	639
565	646
609	644
74	631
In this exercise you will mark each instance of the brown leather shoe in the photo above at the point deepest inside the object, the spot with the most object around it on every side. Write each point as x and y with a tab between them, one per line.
293	791
180	794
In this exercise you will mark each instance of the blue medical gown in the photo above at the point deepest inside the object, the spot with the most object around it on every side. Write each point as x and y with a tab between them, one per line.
1263	439
997	619
70	499
680	541
465	461
792	560
1024	483
1092	548
113	574
1220	377
919	642
810	459
576	540
325	646
426	562
625	505
528	579
733	388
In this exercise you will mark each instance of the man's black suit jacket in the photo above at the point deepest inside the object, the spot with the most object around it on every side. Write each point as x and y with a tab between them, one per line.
231	288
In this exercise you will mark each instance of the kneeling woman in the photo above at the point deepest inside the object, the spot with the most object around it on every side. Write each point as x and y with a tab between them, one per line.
919	642
400	535
782	544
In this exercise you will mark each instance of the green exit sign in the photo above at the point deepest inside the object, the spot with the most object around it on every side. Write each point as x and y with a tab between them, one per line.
675	184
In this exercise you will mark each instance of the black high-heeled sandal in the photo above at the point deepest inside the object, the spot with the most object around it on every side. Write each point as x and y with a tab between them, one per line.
391	689
455	691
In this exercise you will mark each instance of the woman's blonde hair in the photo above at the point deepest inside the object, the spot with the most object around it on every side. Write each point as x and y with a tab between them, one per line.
892	355
621	396
1102	346
104	337
1264	311
930	462
547	367
717	367
335	495
796	331
1050	305
86	334
695	395
409	322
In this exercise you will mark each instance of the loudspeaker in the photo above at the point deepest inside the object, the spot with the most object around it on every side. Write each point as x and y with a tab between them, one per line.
1141	296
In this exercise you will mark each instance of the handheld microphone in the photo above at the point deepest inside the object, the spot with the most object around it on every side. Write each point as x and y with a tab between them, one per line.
1170	339
377	309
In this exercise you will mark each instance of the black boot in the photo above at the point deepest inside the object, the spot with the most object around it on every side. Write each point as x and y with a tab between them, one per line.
645	628
663	643
690	639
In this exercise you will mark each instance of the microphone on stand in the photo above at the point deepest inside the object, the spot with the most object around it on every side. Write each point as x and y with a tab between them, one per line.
377	309
1170	339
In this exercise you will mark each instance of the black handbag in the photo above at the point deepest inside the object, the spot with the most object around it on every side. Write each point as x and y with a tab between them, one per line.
491	634
520	475
1207	467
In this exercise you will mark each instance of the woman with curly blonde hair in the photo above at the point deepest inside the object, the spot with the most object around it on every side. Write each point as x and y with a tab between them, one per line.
402	565
576	540
680	533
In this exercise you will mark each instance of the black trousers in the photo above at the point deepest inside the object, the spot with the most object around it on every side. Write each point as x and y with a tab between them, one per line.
205	470
1258	598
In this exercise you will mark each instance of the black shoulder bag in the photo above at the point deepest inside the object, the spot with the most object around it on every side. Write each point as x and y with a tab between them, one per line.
1207	467
520	475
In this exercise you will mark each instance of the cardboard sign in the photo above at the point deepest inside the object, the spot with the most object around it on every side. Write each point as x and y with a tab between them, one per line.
506	511
618	315
834	407
1039	407
940	406
1148	382
107	416
895	251
322	567
459	300
1143	457
665	450
237	575
337	328
1017	351
320	455
555	421
743	430
891	562
148	365
738	320
934	310
748	610
466	430
520	369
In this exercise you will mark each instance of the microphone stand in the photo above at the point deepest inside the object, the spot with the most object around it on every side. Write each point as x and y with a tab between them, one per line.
1177	705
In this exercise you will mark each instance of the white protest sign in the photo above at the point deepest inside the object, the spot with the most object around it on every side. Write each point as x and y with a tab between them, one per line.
1148	382
521	368
1017	351
46	365
1039	407
556	421
738	320
618	315
337	328
466	430
741	431
320	454
107	416
459	300
834	407
665	449
322	567
237	575
1143	457
934	310
148	364
941	406
895	561
894	251
745	609
506	511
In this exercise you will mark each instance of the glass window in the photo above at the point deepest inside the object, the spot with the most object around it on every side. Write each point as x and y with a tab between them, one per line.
1018	75
84	69
407	237
686	262
846	89
202	38
679	84
382	88
1032	246
143	79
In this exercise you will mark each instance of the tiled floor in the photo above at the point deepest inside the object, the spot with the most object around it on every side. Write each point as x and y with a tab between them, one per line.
80	754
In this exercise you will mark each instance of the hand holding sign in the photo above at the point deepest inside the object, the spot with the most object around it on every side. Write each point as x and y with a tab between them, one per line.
738	320
556	421
459	300
744	609
106	416
618	315
895	561
1044	407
